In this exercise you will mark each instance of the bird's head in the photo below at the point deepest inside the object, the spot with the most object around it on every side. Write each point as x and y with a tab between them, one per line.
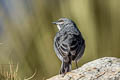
62	22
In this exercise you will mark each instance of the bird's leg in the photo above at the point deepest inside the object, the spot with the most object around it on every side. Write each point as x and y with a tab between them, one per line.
76	64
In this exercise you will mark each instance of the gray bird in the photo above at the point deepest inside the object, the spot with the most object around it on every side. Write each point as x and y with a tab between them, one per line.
69	44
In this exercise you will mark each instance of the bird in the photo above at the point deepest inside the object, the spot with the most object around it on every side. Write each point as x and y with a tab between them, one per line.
69	44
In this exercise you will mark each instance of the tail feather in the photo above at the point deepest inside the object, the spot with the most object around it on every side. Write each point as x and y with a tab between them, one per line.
65	67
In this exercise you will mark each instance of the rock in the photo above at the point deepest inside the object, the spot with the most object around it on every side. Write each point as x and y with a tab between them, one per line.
107	68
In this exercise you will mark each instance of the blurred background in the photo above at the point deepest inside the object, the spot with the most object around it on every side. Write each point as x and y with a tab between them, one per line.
26	32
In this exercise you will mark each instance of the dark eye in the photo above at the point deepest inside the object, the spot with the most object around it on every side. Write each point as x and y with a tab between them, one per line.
60	21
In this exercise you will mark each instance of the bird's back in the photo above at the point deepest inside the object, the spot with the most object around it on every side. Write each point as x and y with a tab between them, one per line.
68	42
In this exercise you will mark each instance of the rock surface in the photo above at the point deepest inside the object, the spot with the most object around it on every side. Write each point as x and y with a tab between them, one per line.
107	68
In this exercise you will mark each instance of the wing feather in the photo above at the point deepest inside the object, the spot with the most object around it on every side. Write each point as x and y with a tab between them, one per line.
71	45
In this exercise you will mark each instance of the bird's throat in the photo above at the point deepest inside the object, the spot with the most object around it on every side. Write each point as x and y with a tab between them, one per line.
58	27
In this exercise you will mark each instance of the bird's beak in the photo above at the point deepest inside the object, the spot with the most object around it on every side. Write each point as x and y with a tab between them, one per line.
54	22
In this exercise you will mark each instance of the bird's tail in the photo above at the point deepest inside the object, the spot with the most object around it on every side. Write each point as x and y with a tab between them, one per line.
65	67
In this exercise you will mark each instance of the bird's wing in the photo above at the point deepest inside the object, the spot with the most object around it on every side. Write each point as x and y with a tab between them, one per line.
68	45
75	45
61	46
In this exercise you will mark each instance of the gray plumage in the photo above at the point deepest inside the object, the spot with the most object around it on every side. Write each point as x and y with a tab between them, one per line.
69	44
